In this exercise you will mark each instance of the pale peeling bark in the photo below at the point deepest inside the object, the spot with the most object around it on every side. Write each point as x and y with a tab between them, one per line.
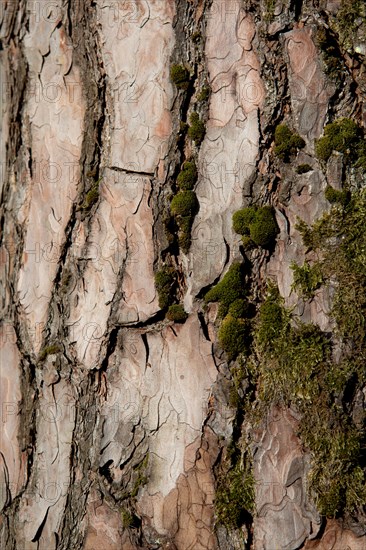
108	407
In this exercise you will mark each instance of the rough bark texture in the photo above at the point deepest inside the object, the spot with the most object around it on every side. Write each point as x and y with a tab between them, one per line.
115	419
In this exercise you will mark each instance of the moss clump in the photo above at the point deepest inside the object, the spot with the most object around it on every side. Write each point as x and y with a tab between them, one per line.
229	289
188	176
343	136
264	229
165	283
234	336
196	130
239	309
273	319
286	142
184	204
53	349
176	313
234	332
204	94
323	149
235	494
303	168
293	363
339	238
184	234
184	207
307	278
180	76
296	368
296	364
336	477
243	218
257	223
334	196
169	227
330	51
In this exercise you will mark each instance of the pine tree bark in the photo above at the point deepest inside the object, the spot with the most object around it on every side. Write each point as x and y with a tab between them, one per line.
115	419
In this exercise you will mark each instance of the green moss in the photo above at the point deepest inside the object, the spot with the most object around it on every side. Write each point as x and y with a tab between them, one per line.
273	319
307	278
336	477
247	243
264	228
296	366
343	136
169	227
305	232
141	478
184	204
230	288
235	494
176	313
361	155
243	218
184	207
287	143
196	130
180	76
239	309
257	223
92	196
165	283
204	94
127	518
334	196
323	148
188	176
234	336
184	234
292	367
303	168
350	21
53	349
270	6
330	52
340	240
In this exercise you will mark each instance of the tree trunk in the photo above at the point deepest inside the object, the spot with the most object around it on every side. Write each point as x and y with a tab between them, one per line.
116	416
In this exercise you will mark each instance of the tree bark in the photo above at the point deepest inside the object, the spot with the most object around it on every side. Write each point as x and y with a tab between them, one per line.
115	418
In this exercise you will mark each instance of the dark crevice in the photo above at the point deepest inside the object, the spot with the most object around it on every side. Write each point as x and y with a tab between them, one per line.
110	349
146	344
133	172
38	534
105	471
204	326
296	8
